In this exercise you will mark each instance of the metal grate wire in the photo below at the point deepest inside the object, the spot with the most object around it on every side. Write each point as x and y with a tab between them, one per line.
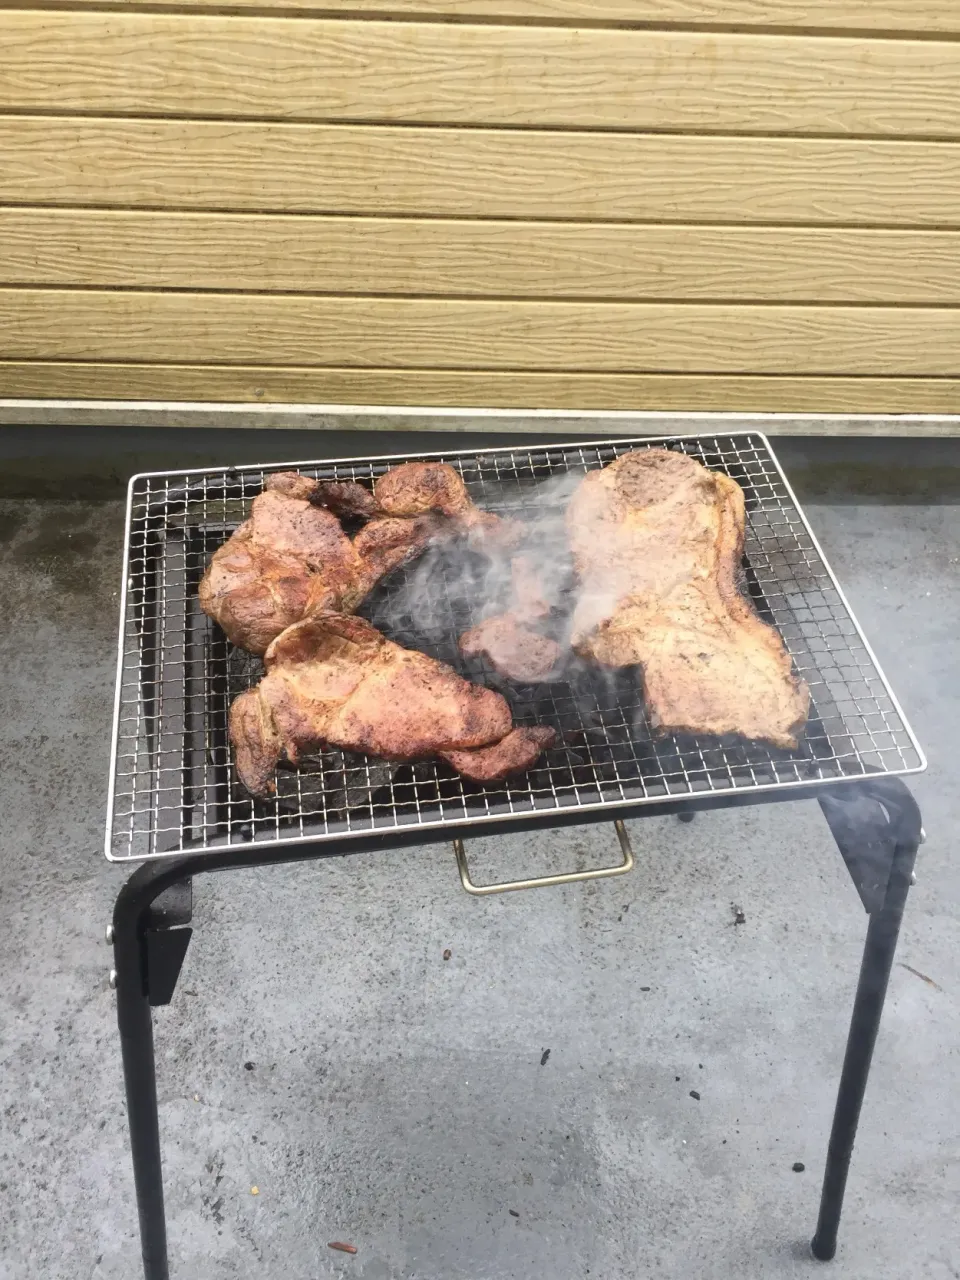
173	787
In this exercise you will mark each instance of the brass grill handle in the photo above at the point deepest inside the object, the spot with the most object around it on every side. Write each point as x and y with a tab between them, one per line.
542	882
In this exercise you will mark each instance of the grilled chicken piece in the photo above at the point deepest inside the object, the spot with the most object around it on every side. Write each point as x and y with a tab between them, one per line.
292	560
508	640
421	488
385	544
335	680
416	487
657	541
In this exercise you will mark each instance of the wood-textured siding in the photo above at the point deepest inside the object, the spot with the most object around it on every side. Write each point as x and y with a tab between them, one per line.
697	204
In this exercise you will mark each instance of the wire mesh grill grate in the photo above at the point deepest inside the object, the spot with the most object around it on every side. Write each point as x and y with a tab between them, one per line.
173	783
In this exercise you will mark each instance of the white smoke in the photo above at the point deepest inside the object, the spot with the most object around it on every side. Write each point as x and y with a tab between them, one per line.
454	571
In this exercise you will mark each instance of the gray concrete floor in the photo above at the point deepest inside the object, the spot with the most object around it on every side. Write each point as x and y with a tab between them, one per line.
320	1049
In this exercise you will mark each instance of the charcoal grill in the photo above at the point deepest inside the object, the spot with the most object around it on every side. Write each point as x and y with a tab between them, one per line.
175	805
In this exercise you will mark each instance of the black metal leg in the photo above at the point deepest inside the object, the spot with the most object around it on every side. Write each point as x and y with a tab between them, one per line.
139	1075
131	918
875	967
149	942
144	942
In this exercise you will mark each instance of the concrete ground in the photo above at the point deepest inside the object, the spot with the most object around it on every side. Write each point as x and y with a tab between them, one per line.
525	1107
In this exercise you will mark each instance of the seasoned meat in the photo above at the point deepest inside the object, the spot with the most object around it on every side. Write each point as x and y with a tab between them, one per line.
518	751
511	648
416	487
508	640
345	498
288	561
422	488
292	485
292	560
385	544
335	680
657	541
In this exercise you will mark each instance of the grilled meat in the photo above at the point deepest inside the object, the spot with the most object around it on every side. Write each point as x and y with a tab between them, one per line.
508	640
385	544
287	561
515	753
415	487
292	560
422	488
512	649
345	498
335	680
292	485
657	541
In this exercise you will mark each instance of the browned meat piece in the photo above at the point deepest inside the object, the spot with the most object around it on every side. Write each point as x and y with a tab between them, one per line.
345	498
518	751
511	648
385	544
657	541
289	560
292	560
291	484
507	639
417	489
257	746
335	680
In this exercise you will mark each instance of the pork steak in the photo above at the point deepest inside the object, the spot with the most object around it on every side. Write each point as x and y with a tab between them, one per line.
657	541
336	681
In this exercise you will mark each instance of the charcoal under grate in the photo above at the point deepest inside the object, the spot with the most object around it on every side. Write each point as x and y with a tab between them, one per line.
173	786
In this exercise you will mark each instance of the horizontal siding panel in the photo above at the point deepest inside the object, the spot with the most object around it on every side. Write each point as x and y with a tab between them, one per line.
475	172
440	388
543	336
474	259
261	68
853	15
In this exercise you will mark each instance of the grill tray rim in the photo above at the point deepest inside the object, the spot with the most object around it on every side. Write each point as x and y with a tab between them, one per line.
444	827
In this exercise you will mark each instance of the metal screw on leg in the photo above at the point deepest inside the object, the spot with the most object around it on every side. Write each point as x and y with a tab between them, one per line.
112	979
110	935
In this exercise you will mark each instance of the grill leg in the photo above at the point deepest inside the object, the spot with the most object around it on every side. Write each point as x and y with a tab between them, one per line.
139	1075
131	918
875	967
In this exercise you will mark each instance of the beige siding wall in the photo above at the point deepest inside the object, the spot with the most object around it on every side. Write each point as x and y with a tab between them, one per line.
694	204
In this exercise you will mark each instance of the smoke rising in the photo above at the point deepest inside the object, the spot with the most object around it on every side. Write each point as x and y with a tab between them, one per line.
456	584
453	586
